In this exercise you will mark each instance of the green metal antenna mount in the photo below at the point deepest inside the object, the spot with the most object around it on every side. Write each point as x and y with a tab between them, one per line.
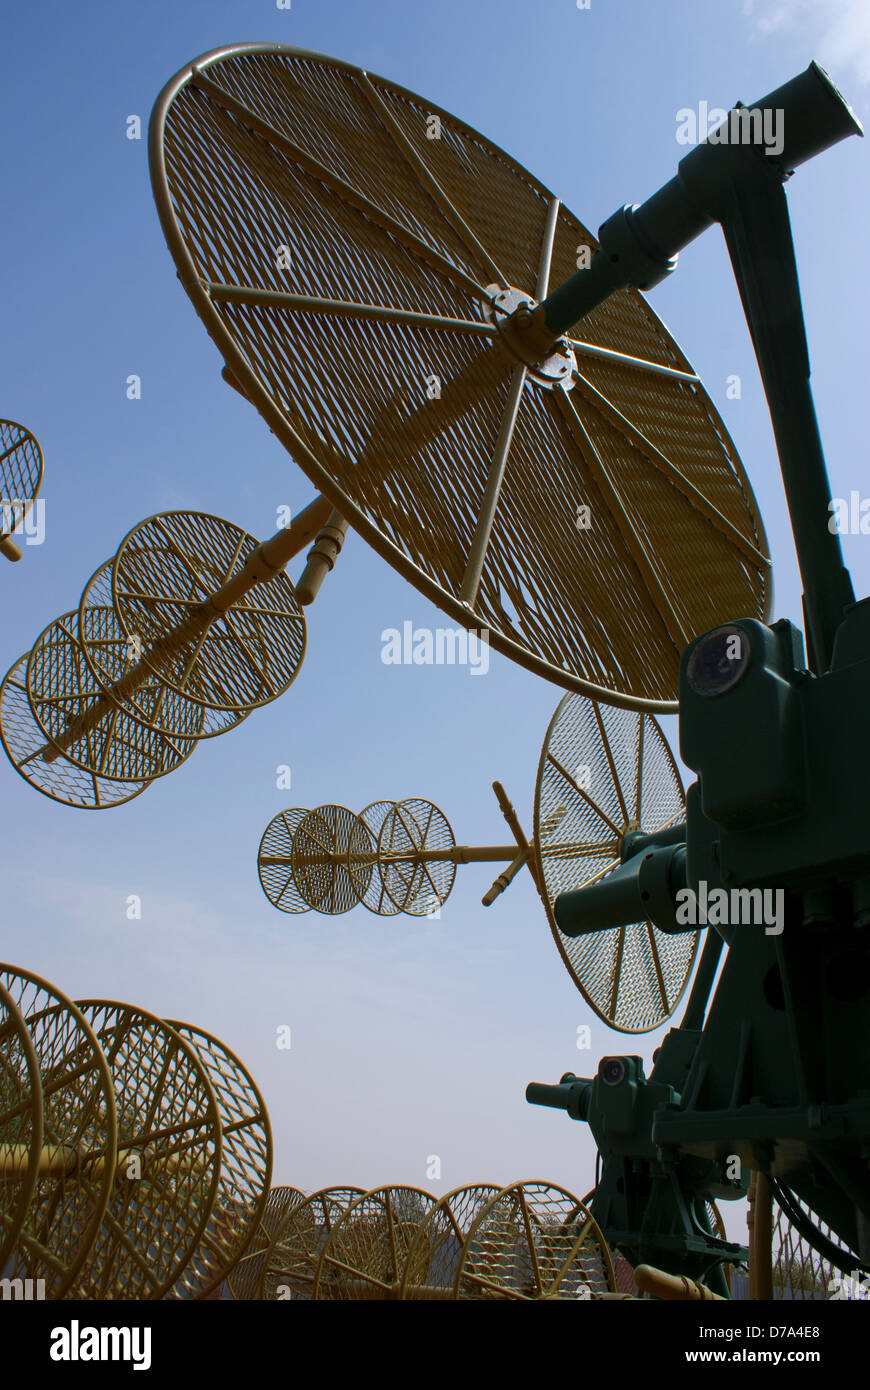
777	1077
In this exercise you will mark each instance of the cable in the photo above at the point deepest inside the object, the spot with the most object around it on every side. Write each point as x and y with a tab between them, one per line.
835	1255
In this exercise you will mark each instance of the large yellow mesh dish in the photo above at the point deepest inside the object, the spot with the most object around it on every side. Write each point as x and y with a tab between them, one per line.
246	1166
62	687
245	1279
24	742
435	1252
21	469
169	1156
20	1122
604	771
165	569
365	1254
275	861
79	1132
534	1241
350	249
298	1241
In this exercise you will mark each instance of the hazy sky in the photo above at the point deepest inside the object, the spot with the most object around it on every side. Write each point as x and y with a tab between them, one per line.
409	1038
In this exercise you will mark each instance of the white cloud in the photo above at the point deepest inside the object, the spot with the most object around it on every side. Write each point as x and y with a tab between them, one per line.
838	30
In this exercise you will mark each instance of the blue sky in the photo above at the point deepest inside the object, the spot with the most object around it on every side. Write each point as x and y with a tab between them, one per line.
409	1038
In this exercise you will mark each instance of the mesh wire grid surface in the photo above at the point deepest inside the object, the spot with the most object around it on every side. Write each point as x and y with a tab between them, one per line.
278	881
21	468
533	1241
603	770
154	703
309	187
322	844
164	570
410	830
170	1154
23	741
61	687
291	1259
20	1120
246	1166
245	1279
79	1130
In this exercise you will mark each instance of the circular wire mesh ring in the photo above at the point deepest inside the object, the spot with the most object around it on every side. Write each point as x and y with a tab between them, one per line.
155	703
295	1250
277	880
433	1256
624	523
245	1279
80	1134
23	741
169	1156
410	832
604	771
165	568
323	841
534	1241
365	1253
374	896
20	1123
21	470
246	1166
61	687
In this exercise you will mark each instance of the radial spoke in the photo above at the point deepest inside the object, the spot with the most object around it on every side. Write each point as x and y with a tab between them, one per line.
658	969
546	256
635	545
429	182
588	799
617	971
489	502
625	360
12	447
608	753
531	1239
325	175
659	460
341	308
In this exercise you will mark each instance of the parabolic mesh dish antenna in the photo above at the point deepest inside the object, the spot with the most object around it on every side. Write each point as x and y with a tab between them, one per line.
153	703
79	1135
357	255
61	687
432	1264
534	1241
365	1253
170	1155
296	1245
606	778
21	470
135	1155
20	1122
610	772
245	1279
246	1166
24	744
190	627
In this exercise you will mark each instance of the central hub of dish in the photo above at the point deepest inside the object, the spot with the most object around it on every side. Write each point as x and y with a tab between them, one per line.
525	337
